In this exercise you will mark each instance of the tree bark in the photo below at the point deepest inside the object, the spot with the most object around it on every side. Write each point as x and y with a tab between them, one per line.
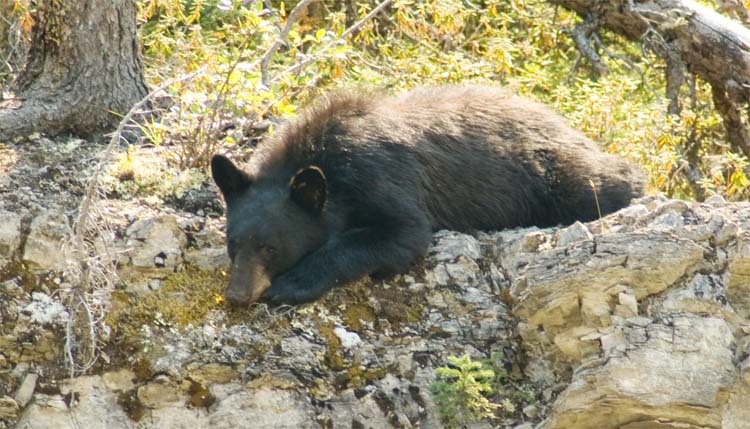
713	47
82	70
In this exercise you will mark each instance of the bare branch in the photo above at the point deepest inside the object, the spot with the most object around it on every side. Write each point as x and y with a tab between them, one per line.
581	36
737	133
676	75
293	17
351	30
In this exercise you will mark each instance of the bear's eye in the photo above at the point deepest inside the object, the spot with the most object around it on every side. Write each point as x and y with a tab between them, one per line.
267	249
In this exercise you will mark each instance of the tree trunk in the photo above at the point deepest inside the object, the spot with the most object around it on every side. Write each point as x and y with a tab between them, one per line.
711	46
82	71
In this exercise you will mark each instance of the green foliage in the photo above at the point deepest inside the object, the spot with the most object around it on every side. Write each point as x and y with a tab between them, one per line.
227	104
460	390
520	44
468	391
15	31
517	43
144	174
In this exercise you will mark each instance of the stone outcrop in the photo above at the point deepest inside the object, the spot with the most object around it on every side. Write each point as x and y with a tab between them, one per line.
638	320
644	313
10	236
45	248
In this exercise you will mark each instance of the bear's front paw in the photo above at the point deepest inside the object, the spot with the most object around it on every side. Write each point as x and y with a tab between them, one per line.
288	289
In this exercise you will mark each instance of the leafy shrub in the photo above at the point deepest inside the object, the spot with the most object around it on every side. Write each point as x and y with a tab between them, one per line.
468	391
460	390
521	44
15	29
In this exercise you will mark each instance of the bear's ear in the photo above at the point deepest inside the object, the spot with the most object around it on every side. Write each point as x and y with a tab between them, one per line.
308	189
230	179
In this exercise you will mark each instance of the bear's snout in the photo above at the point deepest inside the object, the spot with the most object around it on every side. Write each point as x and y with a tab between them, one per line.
237	299
247	282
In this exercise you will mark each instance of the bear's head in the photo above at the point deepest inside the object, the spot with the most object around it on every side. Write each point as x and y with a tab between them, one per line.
272	223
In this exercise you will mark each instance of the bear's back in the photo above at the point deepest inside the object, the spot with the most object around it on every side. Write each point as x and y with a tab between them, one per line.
473	157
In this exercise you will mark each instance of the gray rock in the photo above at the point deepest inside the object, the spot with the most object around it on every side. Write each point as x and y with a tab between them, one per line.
703	294
44	310
9	409
684	389
119	381
160	392
639	319
574	233
10	236
736	415
209	258
391	402
25	392
461	273
532	241
716	201
629	215
738	290
154	247
44	249
448	246
96	407
209	251
263	408
565	284
348	339
668	222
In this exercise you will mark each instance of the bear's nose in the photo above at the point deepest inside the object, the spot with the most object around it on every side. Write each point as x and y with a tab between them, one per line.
237	299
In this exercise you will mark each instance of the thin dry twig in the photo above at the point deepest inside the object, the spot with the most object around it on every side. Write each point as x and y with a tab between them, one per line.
223	91
95	271
293	17
351	30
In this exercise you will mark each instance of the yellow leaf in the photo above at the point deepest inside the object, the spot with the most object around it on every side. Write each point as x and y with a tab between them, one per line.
26	22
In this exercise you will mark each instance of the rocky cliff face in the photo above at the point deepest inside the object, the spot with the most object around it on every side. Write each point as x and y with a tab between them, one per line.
640	320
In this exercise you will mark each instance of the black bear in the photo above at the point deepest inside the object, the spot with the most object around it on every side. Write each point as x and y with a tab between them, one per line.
357	184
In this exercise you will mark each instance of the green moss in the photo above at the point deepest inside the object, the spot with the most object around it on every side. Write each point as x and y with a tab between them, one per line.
415	312
131	405
356	314
118	308
352	374
359	376
200	396
142	172
142	370
189	295
399	305
185	297
28	280
333	356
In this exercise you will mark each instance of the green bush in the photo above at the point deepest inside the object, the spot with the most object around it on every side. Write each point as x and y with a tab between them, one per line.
521	44
468	391
460	390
